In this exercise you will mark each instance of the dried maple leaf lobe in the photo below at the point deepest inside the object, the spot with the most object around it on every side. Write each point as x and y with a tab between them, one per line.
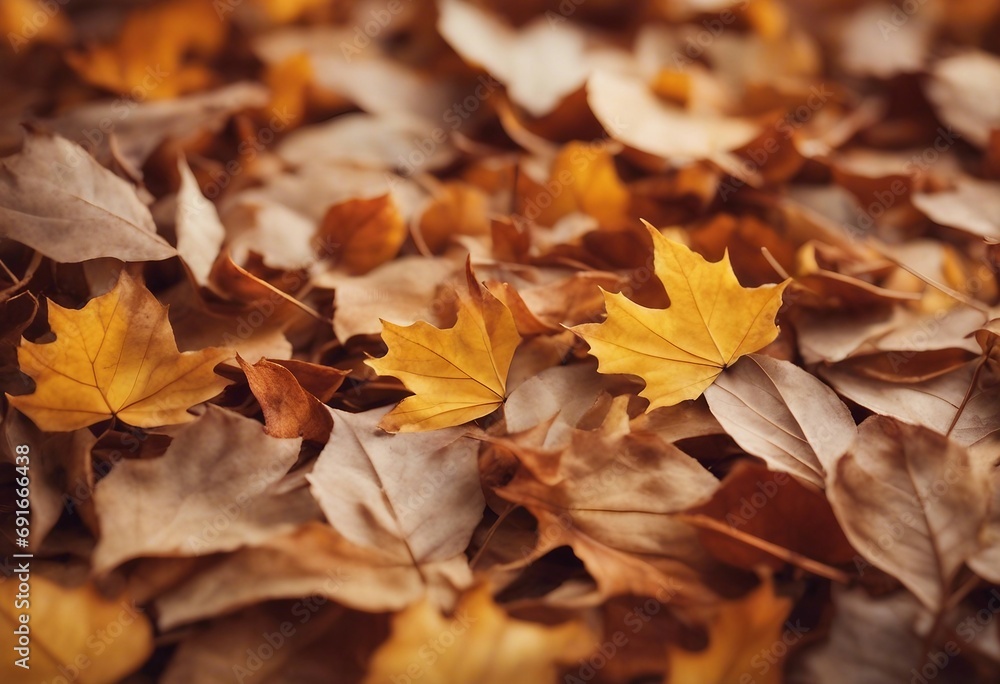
457	374
115	357
679	351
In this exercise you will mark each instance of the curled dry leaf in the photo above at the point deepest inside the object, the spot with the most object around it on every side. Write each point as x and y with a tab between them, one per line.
138	129
289	409
457	374
116	357
360	234
200	233
680	351
954	403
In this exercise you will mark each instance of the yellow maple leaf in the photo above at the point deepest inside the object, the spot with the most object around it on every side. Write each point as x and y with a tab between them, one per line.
480	644
457	374
115	357
72	630
679	351
744	635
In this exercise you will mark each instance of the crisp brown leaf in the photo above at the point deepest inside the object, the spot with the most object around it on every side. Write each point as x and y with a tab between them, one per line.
55	198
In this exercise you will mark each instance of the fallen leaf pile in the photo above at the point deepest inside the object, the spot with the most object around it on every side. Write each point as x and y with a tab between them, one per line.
492	341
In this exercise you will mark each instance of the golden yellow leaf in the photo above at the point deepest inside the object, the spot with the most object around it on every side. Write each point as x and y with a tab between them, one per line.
583	178
362	233
479	643
115	357
150	60
679	351
19	23
457	374
287	11
290	82
72	630
744	636
458	209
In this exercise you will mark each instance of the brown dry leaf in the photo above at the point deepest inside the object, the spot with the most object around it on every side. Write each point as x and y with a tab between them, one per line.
540	64
54	198
139	127
912	504
361	234
457	209
200	233
760	517
364	140
986	561
312	560
73	630
611	495
558	398
632	115
939	403
303	630
955	89
874	45
457	374
289	410
197	498
478	643
116	357
866	631
401	291
47	491
784	415
742	631
973	206
386	492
